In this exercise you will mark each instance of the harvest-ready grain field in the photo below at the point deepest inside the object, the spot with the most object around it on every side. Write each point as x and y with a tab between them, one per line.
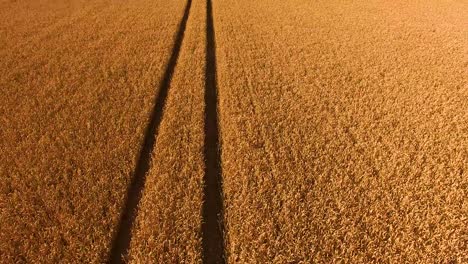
76	89
222	131
345	130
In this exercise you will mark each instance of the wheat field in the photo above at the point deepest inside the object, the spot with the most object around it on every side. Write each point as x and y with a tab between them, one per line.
221	131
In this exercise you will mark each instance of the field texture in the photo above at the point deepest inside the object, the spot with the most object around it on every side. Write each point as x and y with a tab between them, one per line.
77	82
169	219
233	131
344	129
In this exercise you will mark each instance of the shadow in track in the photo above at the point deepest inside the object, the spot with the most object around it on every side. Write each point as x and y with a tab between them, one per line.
212	211
121	242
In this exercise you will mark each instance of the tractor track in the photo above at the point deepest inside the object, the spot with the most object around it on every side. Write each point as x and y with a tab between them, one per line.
213	246
212	210
121	242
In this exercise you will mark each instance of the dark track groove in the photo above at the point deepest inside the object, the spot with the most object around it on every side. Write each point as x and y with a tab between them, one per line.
121	242
212	211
